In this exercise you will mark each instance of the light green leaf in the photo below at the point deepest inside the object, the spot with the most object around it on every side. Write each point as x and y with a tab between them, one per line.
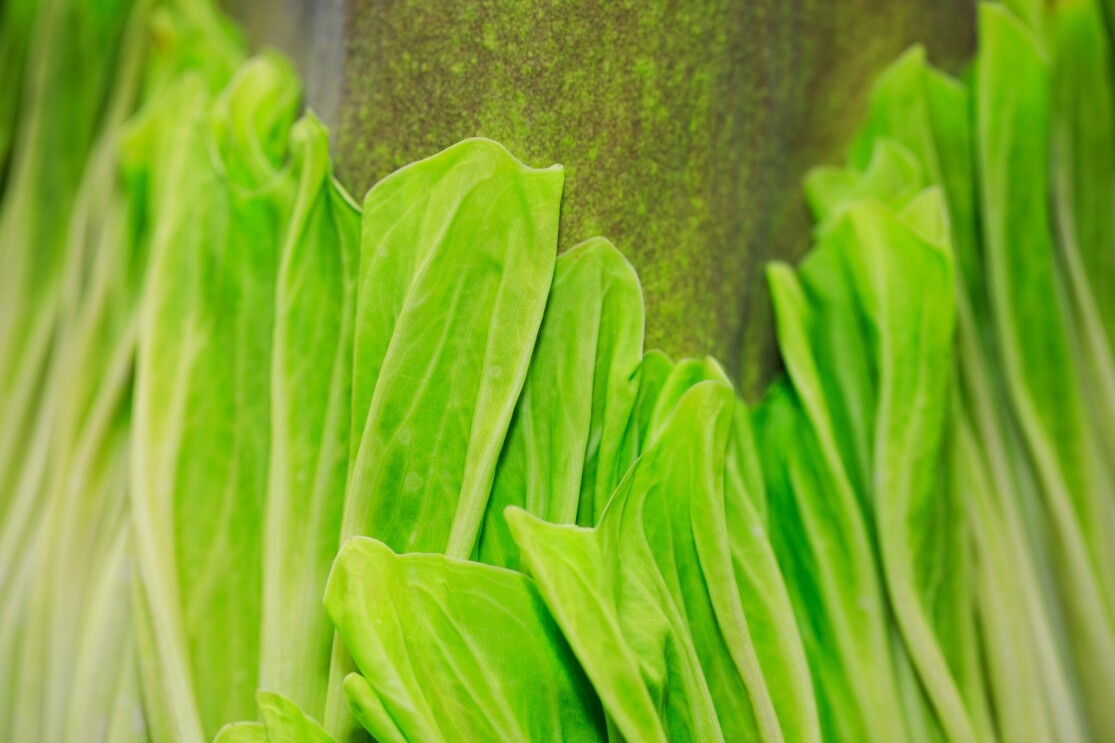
90	667
283	722
651	604
683	375
58	204
286	723
822	538
242	732
63	525
310	395
1013	129
369	710
1019	686
202	405
452	650
67	96
906	286
457	258
560	457
651	375
892	174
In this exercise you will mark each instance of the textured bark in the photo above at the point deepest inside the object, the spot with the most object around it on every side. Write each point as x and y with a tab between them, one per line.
685	127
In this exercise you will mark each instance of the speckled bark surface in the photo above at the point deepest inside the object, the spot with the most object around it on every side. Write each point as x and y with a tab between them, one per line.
685	127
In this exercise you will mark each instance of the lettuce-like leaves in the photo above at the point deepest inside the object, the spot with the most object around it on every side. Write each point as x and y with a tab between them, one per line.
561	457
202	408
453	650
823	540
651	603
1029	679
457	258
1013	89
311	390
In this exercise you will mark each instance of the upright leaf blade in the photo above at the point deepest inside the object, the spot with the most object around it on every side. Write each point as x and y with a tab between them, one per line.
651	603
311	390
1012	98
457	258
458	255
202	401
560	457
823	540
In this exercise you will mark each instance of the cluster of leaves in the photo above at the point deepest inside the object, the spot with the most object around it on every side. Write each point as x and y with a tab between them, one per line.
228	391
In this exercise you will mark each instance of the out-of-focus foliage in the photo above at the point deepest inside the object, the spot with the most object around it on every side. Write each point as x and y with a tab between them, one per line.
278	467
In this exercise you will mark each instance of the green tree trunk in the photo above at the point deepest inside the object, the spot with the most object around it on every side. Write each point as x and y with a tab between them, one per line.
685	127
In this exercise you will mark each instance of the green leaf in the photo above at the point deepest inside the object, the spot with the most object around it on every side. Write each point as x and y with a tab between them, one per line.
906	286
651	603
892	174
764	597
202	404
311	377
1034	14
453	650
930	113
878	320
651	375
839	344
745	473
900	110
1013	129
561	457
242	732
17	19
950	116
1082	169
457	258
822	537
683	375
286	723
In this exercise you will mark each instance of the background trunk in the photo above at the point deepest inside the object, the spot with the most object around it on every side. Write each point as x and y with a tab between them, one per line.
685	127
